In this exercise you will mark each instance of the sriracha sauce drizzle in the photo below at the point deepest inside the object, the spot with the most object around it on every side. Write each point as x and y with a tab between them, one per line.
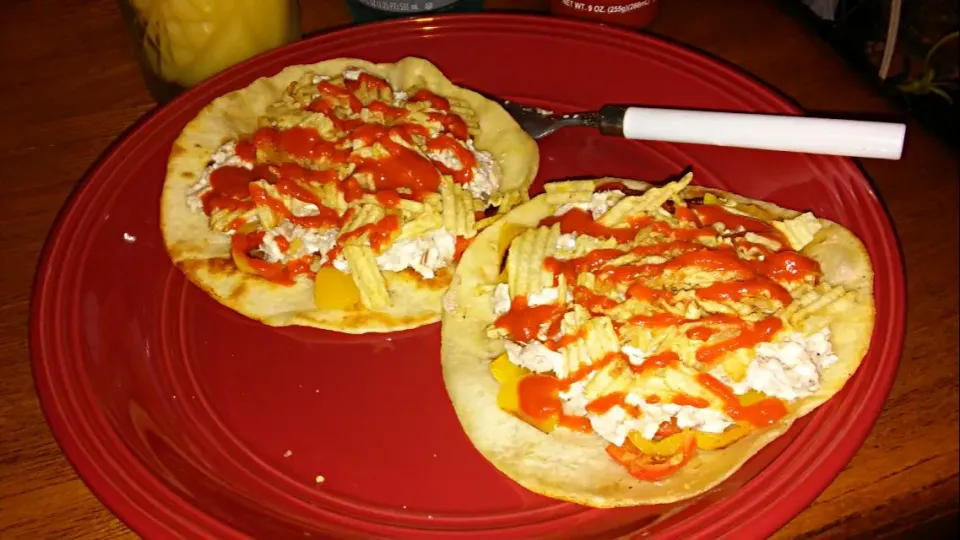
299	161
645	278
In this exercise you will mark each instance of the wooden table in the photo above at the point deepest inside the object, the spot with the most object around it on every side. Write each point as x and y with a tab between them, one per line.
69	86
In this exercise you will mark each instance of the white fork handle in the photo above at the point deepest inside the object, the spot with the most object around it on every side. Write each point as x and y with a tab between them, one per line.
854	138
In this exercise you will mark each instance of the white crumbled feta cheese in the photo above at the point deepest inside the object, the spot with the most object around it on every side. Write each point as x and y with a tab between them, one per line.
394	136
317	79
320	242
819	344
302	242
399	98
425	255
501	299
303	209
787	370
707	419
536	357
225	156
598	205
341	264
634	355
485	180
567	242
546	296
271	251
573	399
614	425
352	73
446	157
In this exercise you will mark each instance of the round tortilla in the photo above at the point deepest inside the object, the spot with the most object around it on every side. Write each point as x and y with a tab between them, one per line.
575	467
204	255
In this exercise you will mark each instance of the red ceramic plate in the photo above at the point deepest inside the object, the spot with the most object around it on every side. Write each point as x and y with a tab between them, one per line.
189	420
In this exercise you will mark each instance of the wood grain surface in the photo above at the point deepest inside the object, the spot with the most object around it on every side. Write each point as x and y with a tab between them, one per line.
69	86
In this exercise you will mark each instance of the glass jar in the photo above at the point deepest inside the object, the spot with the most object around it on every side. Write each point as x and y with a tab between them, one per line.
629	13
182	42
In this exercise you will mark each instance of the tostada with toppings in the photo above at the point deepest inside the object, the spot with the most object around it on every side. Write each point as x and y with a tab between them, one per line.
339	195
612	343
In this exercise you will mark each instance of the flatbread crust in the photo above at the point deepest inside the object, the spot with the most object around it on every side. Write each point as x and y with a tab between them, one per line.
575	467
204	255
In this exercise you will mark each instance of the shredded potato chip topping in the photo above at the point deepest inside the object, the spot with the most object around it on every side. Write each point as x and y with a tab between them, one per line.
352	173
652	318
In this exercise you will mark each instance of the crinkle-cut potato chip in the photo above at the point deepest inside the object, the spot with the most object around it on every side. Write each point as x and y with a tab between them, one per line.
366	275
616	376
799	230
831	296
575	467
266	214
405	205
507	199
573	191
503	201
421	226
457	204
367	214
222	219
528	251
585	244
203	252
600	339
651	200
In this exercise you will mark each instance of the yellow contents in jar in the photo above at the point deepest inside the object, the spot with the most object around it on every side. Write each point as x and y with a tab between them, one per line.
187	41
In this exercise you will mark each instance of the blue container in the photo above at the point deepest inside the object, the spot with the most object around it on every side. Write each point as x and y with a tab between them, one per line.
378	10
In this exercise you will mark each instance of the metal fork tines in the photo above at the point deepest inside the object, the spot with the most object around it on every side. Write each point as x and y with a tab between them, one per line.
539	123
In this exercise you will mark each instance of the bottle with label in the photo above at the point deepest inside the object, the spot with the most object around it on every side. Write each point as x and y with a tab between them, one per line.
376	10
629	13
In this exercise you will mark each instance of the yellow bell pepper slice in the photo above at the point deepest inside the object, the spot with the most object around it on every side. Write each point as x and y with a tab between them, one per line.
508	399
717	441
241	259
666	446
546	425
669	446
333	289
751	397
509	376
503	370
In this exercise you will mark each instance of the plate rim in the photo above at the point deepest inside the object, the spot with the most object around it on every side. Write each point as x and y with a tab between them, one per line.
789	501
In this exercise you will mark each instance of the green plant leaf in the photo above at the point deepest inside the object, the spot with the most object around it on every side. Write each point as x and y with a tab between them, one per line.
943	41
942	94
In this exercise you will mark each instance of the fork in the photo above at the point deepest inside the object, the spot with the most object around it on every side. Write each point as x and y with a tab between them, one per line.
854	138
